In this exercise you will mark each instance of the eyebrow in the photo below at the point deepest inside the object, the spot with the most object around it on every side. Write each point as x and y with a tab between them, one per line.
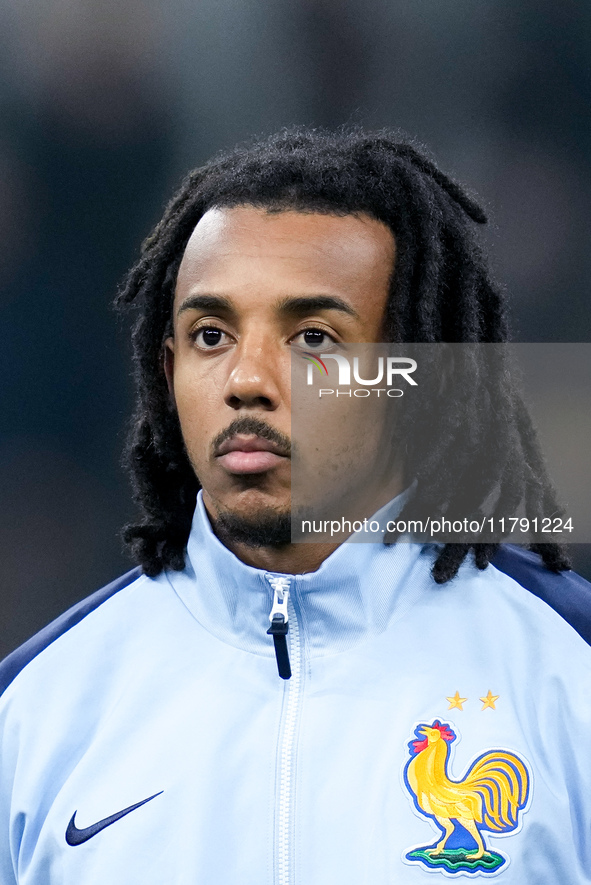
298	306
303	305
205	302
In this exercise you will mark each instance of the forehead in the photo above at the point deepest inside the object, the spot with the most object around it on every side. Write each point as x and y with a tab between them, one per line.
246	244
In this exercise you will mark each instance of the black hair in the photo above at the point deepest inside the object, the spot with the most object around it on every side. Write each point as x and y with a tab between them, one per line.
441	291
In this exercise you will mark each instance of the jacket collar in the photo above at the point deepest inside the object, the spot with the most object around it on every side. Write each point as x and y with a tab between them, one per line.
357	590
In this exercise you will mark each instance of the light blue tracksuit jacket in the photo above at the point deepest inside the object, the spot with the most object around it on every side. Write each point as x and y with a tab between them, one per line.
147	737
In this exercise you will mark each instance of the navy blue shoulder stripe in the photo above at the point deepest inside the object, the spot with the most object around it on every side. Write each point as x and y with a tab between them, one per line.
566	592
18	660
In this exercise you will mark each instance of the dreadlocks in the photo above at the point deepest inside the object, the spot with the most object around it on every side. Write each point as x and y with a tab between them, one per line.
440	292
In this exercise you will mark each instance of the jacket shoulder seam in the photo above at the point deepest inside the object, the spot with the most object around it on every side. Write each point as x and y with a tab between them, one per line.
19	659
565	592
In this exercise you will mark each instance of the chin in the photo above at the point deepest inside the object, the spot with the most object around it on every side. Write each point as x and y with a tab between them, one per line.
261	527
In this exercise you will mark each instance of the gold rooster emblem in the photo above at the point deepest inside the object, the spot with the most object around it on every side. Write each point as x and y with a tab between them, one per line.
489	797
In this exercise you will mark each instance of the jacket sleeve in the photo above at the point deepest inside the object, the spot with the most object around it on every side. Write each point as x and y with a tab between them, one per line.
9	827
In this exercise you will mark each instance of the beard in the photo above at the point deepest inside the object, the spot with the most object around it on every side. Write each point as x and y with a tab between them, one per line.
268	529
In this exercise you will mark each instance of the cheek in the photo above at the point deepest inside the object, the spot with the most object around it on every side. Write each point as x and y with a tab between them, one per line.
198	408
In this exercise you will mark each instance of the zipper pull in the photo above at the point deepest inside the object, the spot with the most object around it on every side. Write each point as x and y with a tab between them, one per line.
279	622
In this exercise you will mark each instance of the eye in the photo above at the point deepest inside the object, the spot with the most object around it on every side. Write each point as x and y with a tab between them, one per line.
314	338
208	337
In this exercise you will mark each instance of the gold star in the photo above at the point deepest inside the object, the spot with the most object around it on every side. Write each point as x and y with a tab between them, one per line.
456	701
489	700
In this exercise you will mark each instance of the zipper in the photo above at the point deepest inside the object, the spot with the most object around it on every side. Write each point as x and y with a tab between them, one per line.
283	605
279	618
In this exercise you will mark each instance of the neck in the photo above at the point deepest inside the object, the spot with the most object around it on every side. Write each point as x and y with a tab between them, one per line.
292	559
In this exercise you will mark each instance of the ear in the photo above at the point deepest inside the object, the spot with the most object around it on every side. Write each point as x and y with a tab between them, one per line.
168	360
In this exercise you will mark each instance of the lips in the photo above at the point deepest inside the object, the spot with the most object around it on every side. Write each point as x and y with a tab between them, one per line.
248	453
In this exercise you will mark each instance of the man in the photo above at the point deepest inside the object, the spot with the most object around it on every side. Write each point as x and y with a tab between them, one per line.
247	709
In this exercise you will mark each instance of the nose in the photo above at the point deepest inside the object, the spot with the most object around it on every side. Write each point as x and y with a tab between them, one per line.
255	377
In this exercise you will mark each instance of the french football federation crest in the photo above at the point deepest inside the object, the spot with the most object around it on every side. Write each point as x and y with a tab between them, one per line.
489	797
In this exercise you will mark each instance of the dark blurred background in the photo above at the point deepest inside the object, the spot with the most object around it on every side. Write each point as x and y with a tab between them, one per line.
103	108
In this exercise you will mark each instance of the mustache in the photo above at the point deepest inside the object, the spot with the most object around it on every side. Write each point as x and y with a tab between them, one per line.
255	427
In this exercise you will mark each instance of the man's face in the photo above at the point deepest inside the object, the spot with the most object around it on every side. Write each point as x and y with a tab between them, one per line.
252	285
